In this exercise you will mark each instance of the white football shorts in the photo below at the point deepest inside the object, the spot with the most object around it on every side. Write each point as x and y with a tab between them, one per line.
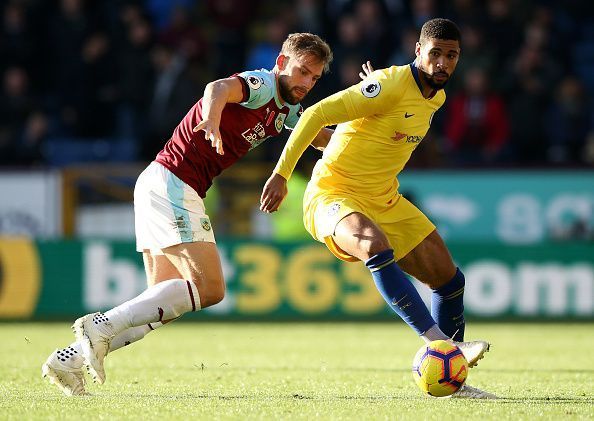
167	211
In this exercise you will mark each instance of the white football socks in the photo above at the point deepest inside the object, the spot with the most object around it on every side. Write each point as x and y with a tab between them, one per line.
126	337
164	301
131	321
131	335
434	333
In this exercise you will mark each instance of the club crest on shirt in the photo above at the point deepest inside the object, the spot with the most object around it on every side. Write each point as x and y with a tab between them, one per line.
333	209
280	120
371	88
254	82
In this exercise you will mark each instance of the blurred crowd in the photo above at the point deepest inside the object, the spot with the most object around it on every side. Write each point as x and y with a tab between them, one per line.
109	79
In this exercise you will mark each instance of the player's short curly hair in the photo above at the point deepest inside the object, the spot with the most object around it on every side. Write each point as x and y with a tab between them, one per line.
439	28
302	43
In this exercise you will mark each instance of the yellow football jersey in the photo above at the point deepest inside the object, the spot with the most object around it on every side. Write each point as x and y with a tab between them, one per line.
382	120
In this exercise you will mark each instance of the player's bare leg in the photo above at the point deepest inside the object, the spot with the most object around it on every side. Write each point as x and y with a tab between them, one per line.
64	367
359	236
202	286
201	263
431	263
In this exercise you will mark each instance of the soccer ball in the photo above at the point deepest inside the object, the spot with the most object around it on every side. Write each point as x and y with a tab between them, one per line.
439	368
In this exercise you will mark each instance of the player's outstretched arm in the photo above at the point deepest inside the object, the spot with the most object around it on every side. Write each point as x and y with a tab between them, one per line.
323	137
216	95
274	192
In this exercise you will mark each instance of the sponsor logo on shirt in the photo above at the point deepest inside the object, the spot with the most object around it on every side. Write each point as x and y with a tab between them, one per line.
256	135
398	136
414	139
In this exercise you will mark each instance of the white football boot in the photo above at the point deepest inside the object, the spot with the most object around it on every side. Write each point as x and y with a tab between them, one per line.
469	392
473	350
94	343
70	380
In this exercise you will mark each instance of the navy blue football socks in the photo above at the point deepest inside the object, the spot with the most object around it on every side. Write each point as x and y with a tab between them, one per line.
447	307
399	292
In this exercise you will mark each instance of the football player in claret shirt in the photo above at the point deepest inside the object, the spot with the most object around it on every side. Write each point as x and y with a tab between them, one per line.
173	232
352	203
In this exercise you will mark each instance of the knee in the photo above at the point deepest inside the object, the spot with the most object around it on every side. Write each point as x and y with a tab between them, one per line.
212	293
217	295
446	278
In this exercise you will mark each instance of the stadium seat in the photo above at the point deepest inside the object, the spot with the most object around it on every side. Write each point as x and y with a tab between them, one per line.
62	151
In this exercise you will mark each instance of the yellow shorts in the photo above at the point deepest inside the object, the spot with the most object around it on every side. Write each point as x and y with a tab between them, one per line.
403	223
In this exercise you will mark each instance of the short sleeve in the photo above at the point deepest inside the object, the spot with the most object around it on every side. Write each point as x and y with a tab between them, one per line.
260	88
373	94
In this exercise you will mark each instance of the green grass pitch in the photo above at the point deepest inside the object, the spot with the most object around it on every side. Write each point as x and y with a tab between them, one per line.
301	371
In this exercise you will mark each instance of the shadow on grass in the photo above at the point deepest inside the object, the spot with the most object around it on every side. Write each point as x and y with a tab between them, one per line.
394	370
503	400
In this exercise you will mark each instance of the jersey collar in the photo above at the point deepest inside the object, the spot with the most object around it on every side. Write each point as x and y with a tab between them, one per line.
415	72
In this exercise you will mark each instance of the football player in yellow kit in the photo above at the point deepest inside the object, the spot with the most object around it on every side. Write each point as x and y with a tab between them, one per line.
352	203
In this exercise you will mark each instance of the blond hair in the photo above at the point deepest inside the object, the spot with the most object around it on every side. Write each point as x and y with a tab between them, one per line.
304	43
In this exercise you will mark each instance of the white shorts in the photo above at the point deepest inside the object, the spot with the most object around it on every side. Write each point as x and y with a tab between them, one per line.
167	211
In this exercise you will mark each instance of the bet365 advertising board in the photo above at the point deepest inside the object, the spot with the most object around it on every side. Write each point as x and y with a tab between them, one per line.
278	281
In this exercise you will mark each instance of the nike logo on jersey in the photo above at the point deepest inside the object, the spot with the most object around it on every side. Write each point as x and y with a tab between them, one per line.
407	115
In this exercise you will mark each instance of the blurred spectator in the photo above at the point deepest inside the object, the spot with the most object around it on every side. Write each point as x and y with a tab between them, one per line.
69	29
20	130
232	18
464	11
184	36
91	69
35	131
375	36
17	40
96	108
503	29
162	10
475	53
527	83
173	94
422	11
350	40
263	54
349	72
476	125
309	16
568	119
405	51
135	75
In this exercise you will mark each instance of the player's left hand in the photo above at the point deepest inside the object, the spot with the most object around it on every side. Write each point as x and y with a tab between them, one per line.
274	192
367	70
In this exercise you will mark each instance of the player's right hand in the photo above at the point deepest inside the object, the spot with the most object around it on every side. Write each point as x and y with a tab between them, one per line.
274	192
212	133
